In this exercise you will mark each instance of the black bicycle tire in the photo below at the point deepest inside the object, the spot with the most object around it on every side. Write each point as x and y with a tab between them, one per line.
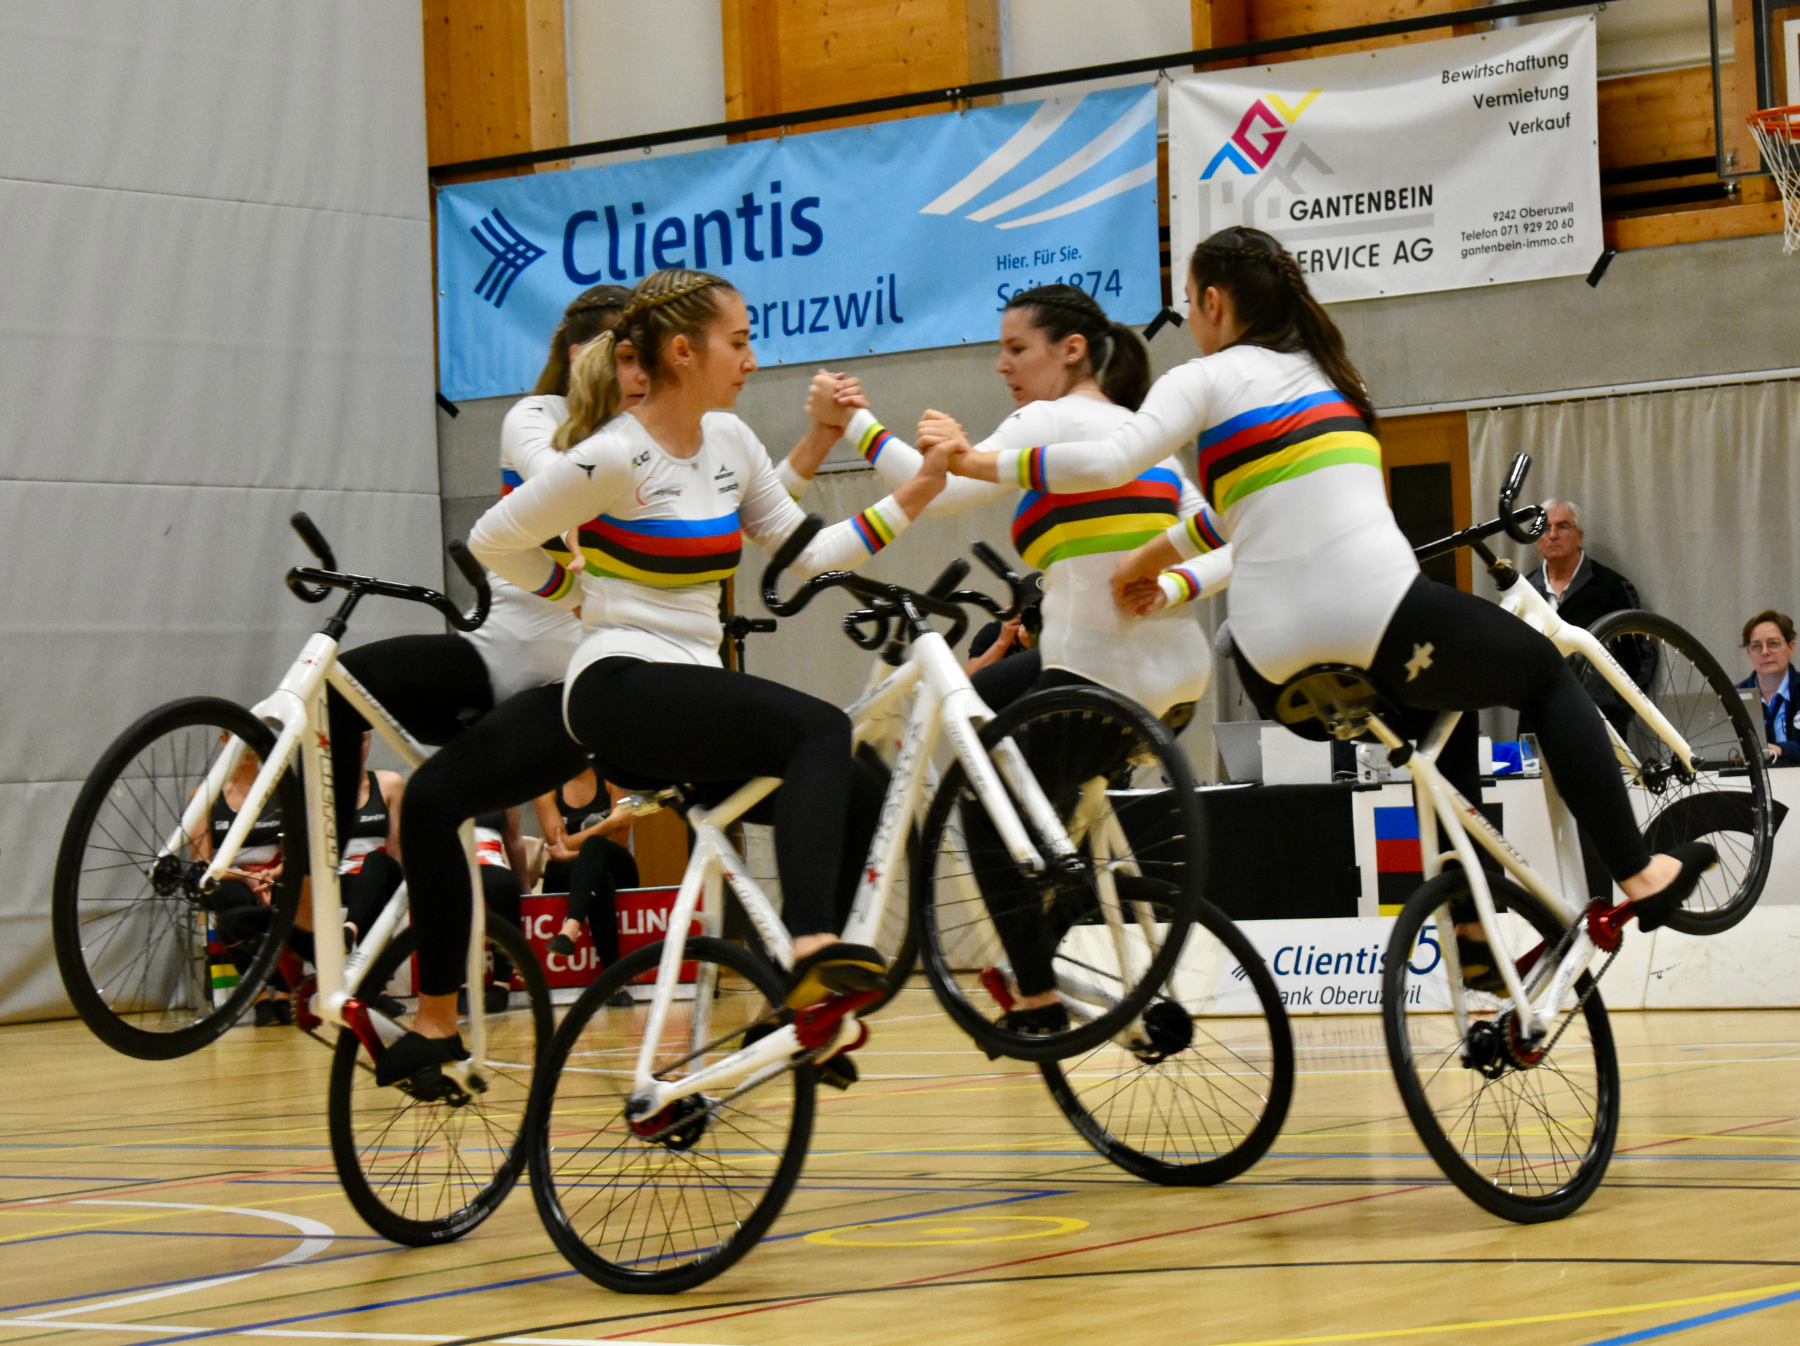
65	898
1254	1146
1637	622
340	1105
624	1280
1422	906
937	969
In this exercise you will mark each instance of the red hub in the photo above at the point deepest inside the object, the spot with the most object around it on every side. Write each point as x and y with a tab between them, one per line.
1606	925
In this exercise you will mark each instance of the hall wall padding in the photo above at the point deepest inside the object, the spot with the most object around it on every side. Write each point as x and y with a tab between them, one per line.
218	311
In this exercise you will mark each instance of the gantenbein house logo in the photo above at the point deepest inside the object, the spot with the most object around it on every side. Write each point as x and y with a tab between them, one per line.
1265	175
512	253
1025	142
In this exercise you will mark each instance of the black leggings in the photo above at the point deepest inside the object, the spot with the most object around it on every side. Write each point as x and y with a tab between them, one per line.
514	753
1447	650
689	723
503	893
592	880
367	891
435	686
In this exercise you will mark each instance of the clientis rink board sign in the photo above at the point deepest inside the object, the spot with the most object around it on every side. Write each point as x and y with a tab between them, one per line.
891	237
1432	166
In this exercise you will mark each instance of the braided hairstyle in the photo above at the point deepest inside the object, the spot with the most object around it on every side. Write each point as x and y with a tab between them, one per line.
1116	357
665	304
1278	311
588	315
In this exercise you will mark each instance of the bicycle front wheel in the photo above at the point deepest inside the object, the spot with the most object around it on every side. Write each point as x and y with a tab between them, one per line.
1103	929
660	1204
1725	799
154	965
1526	1134
420	1169
1199	1092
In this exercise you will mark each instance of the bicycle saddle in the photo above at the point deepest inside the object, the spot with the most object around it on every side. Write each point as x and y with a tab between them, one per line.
1337	699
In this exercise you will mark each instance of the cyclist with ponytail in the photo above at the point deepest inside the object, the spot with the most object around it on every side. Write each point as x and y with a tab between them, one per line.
663	496
1073	374
1321	572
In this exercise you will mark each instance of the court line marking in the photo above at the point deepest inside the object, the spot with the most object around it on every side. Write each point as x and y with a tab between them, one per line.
1059	1224
1700	1320
317	1238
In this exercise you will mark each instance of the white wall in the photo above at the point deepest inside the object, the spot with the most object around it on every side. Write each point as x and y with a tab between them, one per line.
637	68
218	310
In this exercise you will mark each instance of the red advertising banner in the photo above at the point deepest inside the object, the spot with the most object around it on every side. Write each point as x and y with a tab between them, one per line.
643	915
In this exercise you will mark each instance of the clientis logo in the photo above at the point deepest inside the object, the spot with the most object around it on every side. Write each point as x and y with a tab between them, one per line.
1259	134
512	253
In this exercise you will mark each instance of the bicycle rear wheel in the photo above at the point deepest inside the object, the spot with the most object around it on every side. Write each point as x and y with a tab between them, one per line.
1526	1139
136	942
1122	789
427	1170
1201	1090
666	1203
1726	800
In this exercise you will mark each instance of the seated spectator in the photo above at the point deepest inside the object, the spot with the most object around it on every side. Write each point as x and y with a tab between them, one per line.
369	855
1583	591
1769	641
240	903
583	830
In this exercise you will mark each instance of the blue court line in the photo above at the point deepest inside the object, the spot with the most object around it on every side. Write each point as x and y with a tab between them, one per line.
1702	1320
550	1276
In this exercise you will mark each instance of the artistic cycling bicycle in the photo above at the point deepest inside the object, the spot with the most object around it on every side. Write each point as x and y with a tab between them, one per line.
1516	1092
134	907
666	1138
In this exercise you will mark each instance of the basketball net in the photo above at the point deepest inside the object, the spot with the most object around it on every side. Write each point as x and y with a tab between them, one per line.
1777	132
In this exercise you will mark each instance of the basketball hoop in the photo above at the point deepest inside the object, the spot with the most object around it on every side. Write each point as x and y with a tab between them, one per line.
1777	132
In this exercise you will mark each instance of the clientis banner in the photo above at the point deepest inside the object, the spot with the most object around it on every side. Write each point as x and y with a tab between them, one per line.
891	237
1431	166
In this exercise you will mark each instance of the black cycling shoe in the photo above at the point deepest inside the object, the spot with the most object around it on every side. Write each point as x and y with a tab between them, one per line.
1043	1022
273	1013
560	943
412	1056
387	1005
839	1072
1696	858
836	969
496	1000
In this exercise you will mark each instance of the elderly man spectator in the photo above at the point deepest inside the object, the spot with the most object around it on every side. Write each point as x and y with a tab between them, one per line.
1578	587
1769	641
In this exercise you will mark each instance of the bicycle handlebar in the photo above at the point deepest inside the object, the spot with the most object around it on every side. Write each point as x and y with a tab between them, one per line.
895	598
1522	525
301	579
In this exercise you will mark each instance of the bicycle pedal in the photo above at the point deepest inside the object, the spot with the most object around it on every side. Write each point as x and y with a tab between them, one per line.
816	1025
994	982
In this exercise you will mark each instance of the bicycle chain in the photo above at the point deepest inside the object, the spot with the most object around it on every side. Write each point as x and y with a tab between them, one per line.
1581	1004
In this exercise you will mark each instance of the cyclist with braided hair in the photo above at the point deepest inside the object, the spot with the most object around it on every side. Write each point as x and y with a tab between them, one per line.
1073	374
663	496
1321	572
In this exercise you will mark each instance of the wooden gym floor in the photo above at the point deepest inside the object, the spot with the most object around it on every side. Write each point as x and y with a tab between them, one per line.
945	1201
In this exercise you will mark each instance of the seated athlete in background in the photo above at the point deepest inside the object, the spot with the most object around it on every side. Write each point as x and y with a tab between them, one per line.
1322	574
664	495
240	902
588	859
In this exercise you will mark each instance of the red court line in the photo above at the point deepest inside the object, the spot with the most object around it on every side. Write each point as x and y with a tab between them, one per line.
1040	1257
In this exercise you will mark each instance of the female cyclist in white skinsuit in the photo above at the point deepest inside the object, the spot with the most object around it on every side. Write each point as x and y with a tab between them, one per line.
1074	374
1321	572
664	495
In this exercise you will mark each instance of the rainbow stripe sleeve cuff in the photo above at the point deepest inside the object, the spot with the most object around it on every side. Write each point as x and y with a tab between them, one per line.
560	584
1178	585
791	481
871	436
1195	536
880	523
1025	466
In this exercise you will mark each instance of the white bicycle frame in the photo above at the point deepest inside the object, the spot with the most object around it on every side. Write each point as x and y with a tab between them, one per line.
943	703
297	711
1437	801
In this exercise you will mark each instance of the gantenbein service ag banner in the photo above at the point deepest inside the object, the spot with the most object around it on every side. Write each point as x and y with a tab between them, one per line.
892	237
1431	166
